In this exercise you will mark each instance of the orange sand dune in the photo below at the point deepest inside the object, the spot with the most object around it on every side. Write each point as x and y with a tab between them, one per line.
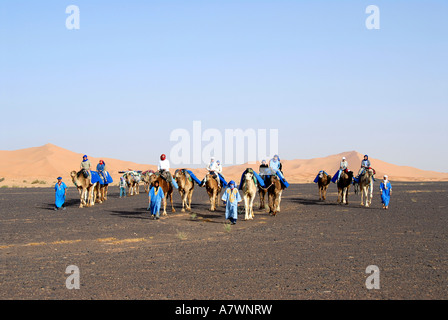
47	162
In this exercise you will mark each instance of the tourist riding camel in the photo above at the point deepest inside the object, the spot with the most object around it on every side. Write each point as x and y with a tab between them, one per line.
85	166
164	169
101	169
343	166
365	164
214	170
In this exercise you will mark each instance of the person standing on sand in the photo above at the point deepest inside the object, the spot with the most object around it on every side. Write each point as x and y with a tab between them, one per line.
60	189
231	197
155	200
386	191
122	184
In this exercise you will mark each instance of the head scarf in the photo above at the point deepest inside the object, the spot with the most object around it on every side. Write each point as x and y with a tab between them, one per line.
84	156
366	156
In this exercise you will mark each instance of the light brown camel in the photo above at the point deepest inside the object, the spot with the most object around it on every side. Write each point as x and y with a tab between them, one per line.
85	188
213	188
344	183
275	190
249	188
262	193
100	192
167	190
186	187
323	183
145	179
132	179
366	186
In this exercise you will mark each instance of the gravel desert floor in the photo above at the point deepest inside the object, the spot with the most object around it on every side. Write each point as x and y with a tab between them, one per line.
310	250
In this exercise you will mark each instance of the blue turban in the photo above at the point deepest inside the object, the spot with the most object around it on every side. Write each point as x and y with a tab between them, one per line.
59	178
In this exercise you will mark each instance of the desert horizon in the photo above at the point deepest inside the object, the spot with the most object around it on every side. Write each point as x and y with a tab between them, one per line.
40	166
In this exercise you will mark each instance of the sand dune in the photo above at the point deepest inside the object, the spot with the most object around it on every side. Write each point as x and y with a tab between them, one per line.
47	162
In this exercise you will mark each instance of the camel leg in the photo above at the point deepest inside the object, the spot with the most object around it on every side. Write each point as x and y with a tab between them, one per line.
362	195
171	200
251	206
183	196
190	196
270	203
320	193
164	207
246	207
261	194
325	193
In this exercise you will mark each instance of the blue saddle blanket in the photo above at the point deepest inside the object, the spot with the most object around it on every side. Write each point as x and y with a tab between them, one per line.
317	177
97	177
193	177
257	176
267	180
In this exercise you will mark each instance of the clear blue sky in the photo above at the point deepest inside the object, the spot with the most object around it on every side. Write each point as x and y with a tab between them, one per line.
136	70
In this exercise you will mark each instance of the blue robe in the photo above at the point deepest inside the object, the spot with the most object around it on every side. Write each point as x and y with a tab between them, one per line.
156	200
385	193
231	206
60	194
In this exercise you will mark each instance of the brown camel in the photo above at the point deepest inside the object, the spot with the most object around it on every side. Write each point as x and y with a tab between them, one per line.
145	179
132	179
275	190
85	188
186	187
249	187
344	183
100	192
366	186
262	193
167	190
323	183
213	188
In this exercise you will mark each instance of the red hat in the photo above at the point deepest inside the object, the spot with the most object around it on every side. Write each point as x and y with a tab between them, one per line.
163	157
101	161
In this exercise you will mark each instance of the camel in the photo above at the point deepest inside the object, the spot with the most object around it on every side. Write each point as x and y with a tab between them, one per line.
132	180
213	188
323	182
85	188
366	186
145	179
100	192
167	190
262	193
275	190
344	182
249	187
186	187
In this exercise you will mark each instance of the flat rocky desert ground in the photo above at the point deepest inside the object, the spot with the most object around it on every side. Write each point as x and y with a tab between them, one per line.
310	250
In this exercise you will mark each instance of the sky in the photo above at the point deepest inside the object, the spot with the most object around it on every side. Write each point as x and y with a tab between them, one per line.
136	71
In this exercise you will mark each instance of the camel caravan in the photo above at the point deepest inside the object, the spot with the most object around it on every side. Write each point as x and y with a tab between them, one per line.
269	183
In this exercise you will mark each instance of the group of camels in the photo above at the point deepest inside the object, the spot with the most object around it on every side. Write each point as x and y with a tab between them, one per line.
91	193
95	192
365	184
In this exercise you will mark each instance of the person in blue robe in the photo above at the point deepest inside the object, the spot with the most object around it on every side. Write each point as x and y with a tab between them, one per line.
60	189
156	196
231	197
386	191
